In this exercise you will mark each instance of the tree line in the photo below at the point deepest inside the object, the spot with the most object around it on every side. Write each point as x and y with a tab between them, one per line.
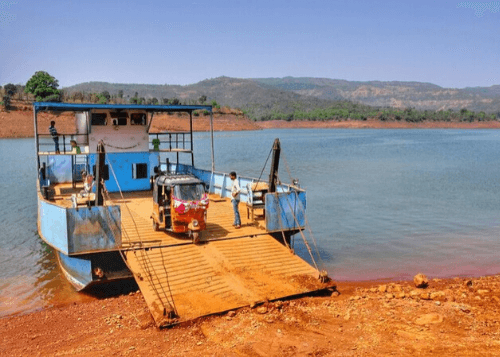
345	110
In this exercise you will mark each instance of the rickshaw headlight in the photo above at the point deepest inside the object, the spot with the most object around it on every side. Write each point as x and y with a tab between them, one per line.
195	223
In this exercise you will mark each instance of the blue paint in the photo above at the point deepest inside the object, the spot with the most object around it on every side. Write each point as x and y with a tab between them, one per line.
93	229
285	211
58	168
78	230
86	107
52	225
77	270
121	167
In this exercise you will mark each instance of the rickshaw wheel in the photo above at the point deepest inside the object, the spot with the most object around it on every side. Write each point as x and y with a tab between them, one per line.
156	227
196	237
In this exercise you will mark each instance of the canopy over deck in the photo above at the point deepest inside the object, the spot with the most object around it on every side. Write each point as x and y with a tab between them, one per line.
82	107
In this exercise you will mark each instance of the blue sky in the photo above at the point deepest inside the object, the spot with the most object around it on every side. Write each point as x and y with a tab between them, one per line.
448	43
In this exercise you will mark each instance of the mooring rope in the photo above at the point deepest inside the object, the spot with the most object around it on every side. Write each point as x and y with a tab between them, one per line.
308	226
144	262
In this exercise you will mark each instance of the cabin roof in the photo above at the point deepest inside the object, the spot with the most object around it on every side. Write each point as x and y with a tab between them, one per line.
83	107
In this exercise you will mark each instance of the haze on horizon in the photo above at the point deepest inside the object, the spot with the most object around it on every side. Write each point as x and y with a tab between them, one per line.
453	44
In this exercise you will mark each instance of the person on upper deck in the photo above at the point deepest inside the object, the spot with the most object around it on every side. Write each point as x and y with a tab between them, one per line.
55	136
74	147
235	200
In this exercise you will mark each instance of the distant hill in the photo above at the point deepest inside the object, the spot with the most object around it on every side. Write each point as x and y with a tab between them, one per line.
260	97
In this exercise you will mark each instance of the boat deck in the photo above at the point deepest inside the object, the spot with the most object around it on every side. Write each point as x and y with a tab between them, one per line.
233	268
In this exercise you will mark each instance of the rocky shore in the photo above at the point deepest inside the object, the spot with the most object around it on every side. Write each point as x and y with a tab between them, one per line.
447	317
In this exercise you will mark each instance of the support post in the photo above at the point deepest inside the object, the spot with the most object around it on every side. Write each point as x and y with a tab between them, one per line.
37	144
191	132
273	176
212	140
101	155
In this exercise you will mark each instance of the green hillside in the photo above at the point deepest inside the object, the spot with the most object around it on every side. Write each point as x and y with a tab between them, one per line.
306	98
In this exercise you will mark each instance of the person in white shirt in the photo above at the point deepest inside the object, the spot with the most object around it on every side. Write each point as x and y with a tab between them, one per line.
235	200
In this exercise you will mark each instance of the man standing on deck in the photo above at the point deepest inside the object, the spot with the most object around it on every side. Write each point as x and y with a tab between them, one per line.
55	137
235	200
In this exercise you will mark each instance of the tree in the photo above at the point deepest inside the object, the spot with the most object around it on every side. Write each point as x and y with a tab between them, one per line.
6	102
120	94
44	87
102	99
106	95
10	89
202	99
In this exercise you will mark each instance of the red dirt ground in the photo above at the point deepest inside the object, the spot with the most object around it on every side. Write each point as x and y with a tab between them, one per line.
451	317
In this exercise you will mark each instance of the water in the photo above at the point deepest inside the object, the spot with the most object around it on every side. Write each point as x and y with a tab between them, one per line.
382	204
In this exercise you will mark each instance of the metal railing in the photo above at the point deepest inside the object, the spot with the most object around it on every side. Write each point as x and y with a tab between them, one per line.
171	141
47	141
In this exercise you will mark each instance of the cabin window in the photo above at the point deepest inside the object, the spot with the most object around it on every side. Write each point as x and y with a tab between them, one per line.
140	171
138	119
105	173
119	118
98	119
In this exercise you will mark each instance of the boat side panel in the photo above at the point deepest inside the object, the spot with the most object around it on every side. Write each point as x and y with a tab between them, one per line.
58	168
53	225
93	229
285	211
122	164
77	270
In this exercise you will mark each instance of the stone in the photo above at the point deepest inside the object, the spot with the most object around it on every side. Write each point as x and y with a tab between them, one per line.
401	295
414	293
421	281
397	288
231	313
427	319
335	294
389	296
496	298
438	296
382	288
262	310
482	291
425	296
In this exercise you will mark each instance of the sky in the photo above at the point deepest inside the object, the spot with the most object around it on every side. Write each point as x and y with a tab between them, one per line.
453	44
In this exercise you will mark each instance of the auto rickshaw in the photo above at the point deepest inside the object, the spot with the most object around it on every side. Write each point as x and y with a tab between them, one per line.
179	205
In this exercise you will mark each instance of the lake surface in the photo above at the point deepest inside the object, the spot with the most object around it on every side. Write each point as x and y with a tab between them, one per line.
381	204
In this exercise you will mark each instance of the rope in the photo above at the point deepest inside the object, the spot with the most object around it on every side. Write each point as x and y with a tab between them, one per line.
307	225
145	265
265	164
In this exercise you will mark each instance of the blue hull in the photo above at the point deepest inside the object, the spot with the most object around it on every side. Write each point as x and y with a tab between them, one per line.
81	270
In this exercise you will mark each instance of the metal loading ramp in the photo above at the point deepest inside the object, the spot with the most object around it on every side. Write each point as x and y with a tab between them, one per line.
186	281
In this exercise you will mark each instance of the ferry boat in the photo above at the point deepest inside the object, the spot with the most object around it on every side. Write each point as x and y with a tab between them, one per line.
108	230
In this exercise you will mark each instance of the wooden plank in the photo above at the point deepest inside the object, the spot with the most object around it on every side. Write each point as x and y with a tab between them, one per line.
219	276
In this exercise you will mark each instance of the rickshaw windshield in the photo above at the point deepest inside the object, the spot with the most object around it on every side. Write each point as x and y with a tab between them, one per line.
191	192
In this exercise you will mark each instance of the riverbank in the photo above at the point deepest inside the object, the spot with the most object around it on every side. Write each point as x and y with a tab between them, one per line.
19	123
450	317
